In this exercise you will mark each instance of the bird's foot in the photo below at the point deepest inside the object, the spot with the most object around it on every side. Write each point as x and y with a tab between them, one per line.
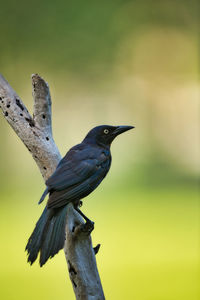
88	226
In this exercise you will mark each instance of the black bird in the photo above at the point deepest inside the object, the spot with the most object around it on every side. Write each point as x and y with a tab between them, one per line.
80	171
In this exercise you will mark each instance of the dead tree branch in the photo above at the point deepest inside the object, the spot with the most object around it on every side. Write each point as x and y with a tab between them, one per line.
36	134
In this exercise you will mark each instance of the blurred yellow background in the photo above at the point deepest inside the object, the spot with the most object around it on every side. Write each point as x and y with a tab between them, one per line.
118	63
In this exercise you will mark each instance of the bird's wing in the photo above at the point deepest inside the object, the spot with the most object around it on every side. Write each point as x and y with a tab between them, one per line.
70	173
67	174
70	184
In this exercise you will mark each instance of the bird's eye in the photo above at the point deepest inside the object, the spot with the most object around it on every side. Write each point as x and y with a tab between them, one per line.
106	131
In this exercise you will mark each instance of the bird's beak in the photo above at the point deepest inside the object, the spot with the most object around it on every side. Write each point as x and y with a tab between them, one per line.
121	129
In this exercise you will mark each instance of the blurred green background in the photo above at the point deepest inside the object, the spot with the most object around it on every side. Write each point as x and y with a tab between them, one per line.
109	62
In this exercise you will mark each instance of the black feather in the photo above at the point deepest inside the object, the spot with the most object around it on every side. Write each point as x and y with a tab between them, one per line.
54	236
44	195
48	236
34	242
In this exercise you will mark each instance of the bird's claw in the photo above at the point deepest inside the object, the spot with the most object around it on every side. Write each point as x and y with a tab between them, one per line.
88	226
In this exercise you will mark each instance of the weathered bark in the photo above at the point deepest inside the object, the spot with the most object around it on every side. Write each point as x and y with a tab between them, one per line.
36	134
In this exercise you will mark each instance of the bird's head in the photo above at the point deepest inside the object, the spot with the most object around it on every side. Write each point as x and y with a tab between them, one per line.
104	135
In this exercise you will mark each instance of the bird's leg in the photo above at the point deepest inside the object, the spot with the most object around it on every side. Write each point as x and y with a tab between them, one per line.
89	225
82	214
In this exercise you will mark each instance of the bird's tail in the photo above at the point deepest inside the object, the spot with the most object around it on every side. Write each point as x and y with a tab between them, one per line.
48	236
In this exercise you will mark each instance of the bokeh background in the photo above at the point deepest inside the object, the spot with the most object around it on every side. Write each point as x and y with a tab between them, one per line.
109	62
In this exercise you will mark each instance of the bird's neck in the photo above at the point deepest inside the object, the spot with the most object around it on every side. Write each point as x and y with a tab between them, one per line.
93	142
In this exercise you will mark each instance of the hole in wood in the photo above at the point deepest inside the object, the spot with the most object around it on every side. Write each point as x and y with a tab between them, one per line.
19	104
30	122
74	283
71	268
